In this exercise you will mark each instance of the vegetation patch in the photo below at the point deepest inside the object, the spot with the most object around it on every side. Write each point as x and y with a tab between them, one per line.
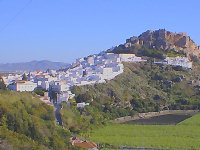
193	121
28	123
182	136
144	87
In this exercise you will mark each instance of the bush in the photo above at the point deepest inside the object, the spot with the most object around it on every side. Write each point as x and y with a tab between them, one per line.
39	91
154	53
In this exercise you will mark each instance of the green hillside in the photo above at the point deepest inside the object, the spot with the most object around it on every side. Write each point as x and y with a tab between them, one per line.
144	87
28	123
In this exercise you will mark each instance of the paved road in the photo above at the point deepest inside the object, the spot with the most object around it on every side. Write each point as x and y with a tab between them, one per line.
57	108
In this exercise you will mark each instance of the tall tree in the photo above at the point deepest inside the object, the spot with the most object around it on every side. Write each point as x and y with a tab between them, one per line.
2	84
24	77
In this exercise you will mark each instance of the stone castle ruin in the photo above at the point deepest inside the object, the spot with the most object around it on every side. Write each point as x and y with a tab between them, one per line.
165	40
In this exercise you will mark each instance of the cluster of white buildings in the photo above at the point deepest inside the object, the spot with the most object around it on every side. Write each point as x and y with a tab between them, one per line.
92	69
179	61
97	68
176	61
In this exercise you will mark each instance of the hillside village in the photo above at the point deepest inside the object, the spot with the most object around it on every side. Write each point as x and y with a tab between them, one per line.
57	85
90	70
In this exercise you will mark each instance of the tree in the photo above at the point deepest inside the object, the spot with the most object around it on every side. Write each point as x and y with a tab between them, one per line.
40	91
86	97
24	77
2	84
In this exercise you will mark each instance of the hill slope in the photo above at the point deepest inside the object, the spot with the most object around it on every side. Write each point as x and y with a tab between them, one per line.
146	87
28	123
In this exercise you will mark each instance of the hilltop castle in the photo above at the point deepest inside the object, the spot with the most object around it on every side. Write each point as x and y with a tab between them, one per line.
165	40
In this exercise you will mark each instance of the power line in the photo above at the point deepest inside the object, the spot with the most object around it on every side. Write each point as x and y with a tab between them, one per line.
15	16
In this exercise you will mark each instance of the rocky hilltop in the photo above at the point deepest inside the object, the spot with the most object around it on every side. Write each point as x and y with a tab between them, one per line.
165	40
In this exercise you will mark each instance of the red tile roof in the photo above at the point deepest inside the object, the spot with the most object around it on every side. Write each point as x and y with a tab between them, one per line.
85	144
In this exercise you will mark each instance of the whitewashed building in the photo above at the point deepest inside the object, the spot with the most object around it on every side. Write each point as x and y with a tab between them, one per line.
179	61
82	104
9	79
23	86
130	58
60	86
62	97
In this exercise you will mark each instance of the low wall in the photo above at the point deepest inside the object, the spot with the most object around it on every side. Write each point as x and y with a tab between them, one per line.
153	114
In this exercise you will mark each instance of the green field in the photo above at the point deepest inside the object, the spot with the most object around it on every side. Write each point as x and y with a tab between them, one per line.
185	135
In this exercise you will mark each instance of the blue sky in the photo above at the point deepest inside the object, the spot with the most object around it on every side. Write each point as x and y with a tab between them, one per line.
63	30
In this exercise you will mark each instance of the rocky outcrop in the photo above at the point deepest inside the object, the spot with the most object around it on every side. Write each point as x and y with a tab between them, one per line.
165	40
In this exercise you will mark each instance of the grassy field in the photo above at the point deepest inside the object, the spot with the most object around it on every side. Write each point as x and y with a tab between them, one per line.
193	121
185	135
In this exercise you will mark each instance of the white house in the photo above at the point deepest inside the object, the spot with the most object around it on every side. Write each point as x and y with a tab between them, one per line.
60	86
130	58
82	104
62	97
23	86
43	84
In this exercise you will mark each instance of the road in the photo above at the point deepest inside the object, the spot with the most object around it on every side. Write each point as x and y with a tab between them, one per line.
57	108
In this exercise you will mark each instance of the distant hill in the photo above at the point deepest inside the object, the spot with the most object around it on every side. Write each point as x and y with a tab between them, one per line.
33	65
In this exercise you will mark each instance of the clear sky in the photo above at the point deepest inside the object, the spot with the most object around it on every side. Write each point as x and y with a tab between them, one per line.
63	30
